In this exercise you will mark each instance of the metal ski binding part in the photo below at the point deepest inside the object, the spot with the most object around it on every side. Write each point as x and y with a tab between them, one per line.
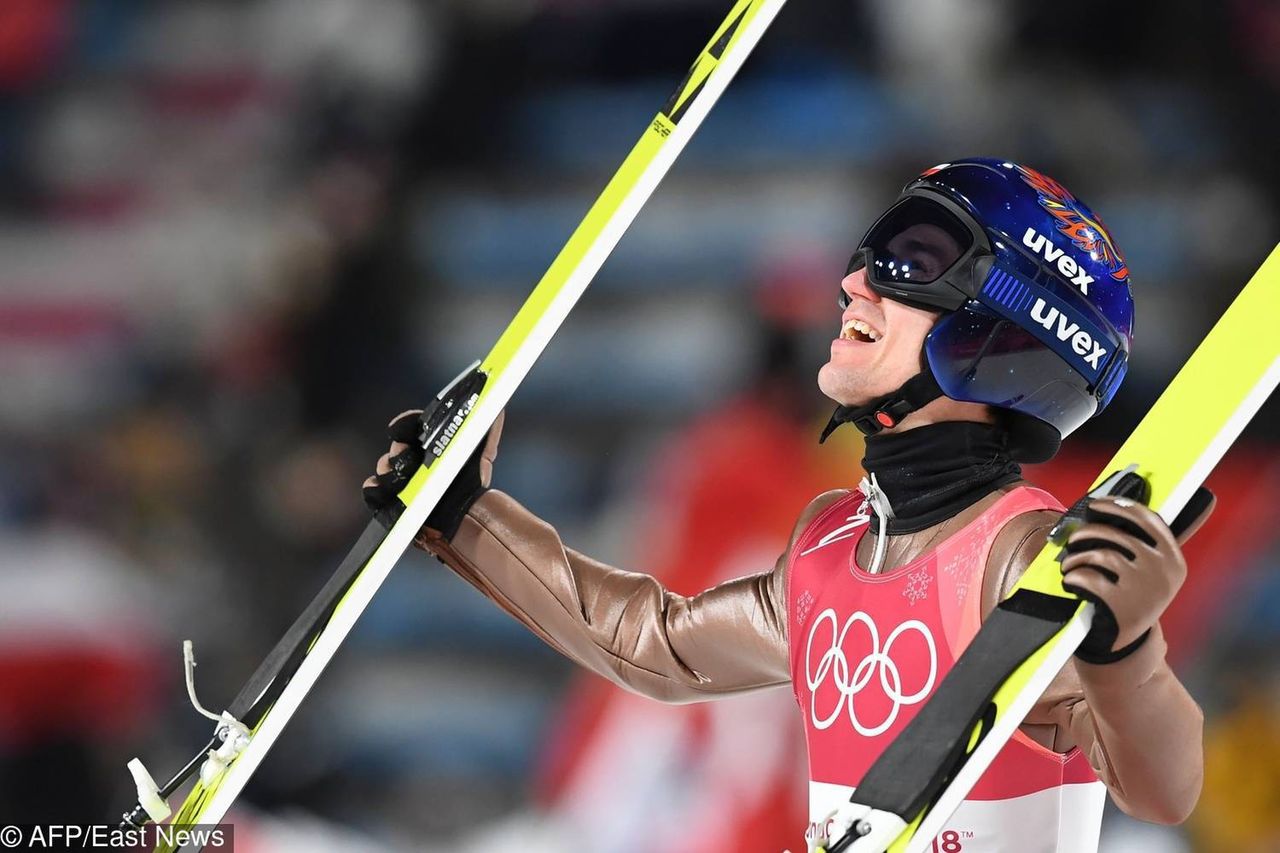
854	826
235	737
445	414
233	733
1126	482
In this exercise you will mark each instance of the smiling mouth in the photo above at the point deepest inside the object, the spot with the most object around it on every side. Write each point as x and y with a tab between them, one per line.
859	331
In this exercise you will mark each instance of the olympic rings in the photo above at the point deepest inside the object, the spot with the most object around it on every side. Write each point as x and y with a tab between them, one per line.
878	662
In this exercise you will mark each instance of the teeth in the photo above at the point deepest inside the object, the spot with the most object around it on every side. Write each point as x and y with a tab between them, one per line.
858	326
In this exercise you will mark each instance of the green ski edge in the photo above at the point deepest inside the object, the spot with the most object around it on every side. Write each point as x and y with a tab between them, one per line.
908	794
503	369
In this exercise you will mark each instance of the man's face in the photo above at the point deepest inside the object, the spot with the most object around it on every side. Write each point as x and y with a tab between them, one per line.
880	342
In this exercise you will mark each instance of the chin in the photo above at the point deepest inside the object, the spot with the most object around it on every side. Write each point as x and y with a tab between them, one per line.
839	388
850	387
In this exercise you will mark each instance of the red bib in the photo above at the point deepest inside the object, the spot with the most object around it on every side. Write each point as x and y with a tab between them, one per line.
868	650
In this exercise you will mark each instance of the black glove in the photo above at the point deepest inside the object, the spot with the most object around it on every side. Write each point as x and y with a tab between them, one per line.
396	467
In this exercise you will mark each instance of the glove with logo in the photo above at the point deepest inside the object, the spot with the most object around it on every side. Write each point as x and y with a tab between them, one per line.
1126	560
397	466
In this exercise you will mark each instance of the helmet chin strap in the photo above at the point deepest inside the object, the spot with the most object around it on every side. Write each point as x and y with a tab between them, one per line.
889	410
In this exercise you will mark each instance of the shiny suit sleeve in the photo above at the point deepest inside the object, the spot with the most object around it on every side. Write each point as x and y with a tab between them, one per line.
625	625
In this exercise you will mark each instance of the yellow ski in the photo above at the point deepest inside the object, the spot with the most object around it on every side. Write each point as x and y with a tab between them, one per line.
906	797
466	410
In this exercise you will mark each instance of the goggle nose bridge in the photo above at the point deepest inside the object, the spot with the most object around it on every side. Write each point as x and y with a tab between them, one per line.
857	262
941	294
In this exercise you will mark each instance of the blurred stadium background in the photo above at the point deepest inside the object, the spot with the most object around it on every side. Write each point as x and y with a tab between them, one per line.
237	237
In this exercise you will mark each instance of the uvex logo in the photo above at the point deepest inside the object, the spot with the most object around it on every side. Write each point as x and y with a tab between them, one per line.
1066	265
1082	343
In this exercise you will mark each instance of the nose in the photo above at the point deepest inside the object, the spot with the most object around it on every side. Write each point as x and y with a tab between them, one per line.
855	285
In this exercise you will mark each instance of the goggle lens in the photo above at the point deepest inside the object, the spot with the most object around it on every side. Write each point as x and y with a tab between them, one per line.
914	243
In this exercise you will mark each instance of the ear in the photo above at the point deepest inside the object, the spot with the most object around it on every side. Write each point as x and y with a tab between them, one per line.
1194	514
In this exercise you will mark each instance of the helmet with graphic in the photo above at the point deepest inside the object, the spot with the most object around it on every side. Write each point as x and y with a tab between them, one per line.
1038	316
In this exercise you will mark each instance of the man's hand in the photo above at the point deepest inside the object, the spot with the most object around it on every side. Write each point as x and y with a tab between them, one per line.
1125	559
397	466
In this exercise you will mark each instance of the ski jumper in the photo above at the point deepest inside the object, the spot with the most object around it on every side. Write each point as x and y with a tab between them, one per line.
735	638
866	652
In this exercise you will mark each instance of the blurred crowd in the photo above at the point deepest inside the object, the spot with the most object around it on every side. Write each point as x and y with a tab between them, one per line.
238	236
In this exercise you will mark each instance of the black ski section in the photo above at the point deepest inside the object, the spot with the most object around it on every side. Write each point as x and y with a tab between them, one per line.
716	51
440	422
264	686
271	676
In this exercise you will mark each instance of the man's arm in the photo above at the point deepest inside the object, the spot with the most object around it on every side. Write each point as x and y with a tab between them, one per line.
624	625
1140	729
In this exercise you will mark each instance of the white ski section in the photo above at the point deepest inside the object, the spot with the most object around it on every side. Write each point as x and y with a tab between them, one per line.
1221	443
476	426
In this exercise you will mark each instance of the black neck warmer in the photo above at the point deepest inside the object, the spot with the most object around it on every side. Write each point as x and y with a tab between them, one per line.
932	472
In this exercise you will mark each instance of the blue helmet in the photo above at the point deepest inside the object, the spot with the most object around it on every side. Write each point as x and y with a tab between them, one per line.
1039	317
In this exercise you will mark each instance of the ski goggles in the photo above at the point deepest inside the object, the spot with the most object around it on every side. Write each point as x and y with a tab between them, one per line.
927	252
921	252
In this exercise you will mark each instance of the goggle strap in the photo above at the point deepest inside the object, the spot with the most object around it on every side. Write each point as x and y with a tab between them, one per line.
1053	320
